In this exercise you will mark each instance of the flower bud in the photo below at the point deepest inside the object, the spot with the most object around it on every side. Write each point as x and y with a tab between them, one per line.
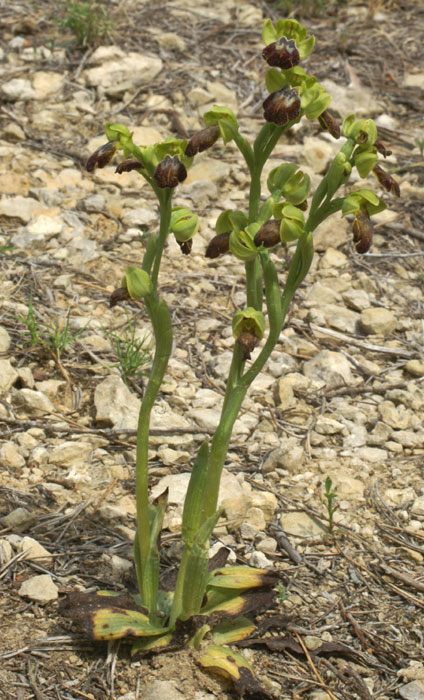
292	222
362	231
202	140
282	53
269	234
184	224
282	106
102	156
386	181
137	282
219	245
330	124
127	165
170	172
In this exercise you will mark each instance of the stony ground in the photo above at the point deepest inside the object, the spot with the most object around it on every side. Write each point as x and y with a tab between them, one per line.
343	395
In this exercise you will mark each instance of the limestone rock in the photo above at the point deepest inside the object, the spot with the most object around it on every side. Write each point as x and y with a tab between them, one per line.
18	520
23	208
125	72
333	232
378	321
412	691
34	550
332	258
115	404
301	525
8	375
317	153
41	589
71	453
4	344
330	368
11	456
35	401
6	552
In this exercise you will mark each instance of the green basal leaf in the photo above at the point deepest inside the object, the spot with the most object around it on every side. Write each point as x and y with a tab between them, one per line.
224	661
109	623
143	644
227	600
233	630
195	580
194	500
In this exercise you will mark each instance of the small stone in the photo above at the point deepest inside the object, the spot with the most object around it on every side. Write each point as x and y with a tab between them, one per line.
255	518
34	550
415	367
46	84
6	552
128	71
357	299
17	89
71	453
301	525
19	520
8	374
4	346
267	545
161	690
115	404
400	497
332	258
373	455
317	153
260	561
290	456
23	208
397	417
312	643
378	321
320	294
35	401
284	395
333	232
41	589
418	506
120	565
11	455
46	226
412	691
330	368
328	426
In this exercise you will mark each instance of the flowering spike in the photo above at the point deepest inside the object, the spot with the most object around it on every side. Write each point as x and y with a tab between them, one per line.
282	53
202	140
169	172
102	156
386	181
282	106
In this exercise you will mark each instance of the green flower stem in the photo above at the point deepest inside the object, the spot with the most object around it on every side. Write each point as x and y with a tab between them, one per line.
234	397
177	601
162	328
234	375
165	204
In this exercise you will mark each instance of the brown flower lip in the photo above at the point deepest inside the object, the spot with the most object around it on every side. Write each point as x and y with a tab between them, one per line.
269	234
219	245
202	140
363	231
330	124
282	106
186	246
282	53
247	342
386	181
118	295
170	172
102	156
127	165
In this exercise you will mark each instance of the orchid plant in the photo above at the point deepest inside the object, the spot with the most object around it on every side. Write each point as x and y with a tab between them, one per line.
285	215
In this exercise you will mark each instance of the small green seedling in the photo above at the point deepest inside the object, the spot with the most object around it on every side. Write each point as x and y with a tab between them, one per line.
330	495
87	20
133	354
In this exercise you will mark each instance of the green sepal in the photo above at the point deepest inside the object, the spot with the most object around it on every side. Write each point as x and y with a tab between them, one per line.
314	101
292	221
225	119
194	499
291	29
242	244
233	630
269	33
116	132
184	224
170	147
338	173
365	159
297	188
362	131
280	175
249	320
306	47
231	220
362	199
275	80
265	212
137	282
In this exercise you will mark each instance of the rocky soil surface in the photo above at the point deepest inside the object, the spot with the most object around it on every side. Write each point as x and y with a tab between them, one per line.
343	394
